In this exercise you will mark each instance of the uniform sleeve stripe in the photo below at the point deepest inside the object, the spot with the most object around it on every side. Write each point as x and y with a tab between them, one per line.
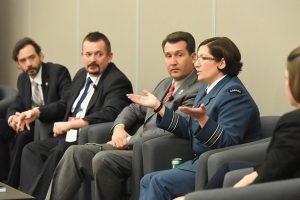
215	136
209	139
173	123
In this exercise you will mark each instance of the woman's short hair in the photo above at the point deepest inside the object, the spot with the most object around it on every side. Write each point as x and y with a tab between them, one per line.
223	47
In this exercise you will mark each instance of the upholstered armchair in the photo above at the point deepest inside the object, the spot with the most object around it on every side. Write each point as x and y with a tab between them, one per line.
210	161
7	96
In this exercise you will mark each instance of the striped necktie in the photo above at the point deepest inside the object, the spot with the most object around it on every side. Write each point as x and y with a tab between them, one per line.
36	95
84	94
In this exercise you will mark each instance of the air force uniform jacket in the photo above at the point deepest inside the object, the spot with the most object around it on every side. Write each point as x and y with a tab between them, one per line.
233	118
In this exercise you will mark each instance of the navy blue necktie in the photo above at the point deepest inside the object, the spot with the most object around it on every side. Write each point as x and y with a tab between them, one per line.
84	94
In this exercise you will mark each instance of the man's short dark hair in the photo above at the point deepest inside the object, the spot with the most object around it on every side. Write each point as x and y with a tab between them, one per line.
96	36
181	36
21	44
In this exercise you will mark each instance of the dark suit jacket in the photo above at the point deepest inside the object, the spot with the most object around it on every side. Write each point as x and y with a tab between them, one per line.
283	154
108	99
233	118
55	83
135	114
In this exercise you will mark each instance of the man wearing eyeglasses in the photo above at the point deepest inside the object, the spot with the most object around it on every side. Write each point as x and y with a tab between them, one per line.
97	94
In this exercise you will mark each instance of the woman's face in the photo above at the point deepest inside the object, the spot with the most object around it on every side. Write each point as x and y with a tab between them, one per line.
288	92
207	66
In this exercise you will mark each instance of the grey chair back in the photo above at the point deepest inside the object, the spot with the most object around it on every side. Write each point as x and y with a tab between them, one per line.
268	124
7	96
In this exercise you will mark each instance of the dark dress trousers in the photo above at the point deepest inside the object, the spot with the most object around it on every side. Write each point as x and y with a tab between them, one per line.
40	158
110	168
55	83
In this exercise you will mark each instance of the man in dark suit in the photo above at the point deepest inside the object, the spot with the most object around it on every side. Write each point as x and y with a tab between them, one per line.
52	81
97	94
110	168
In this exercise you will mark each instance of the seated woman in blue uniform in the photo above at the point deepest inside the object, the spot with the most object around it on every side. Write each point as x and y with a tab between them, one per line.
282	160
223	114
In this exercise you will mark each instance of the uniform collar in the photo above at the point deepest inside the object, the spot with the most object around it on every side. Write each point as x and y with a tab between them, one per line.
210	87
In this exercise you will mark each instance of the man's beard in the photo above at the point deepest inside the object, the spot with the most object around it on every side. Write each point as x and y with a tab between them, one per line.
32	71
93	66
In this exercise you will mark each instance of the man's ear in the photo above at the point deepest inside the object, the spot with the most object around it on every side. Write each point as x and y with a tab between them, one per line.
110	55
41	55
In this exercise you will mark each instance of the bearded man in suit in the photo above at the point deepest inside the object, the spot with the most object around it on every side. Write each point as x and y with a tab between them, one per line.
41	86
97	94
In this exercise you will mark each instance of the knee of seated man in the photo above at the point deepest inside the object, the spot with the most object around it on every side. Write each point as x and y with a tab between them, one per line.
102	159
78	151
71	150
30	147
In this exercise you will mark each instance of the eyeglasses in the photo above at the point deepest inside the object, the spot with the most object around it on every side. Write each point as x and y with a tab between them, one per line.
203	58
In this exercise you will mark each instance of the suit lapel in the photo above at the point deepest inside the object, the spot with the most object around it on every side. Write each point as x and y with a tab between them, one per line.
76	88
45	81
165	88
185	85
180	91
96	94
160	95
100	87
27	87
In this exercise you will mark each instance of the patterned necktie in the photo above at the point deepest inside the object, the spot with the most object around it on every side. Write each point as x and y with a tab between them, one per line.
170	93
36	95
84	94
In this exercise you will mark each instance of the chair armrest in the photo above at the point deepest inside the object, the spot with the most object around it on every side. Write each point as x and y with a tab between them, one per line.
234	176
207	169
8	95
96	133
252	153
42	130
276	190
149	154
158	152
133	183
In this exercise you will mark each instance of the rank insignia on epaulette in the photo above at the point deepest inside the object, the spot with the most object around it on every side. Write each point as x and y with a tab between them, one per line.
235	90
